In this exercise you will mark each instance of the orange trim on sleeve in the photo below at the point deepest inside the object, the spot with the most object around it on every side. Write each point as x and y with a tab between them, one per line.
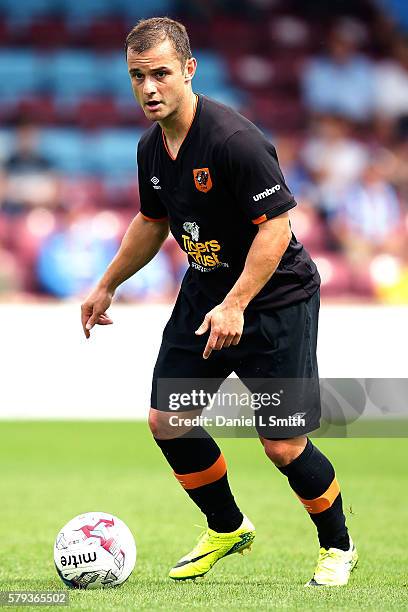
259	220
204	477
151	219
314	506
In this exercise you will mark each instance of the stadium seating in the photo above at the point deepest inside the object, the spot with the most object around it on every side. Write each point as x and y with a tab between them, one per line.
114	151
66	148
62	67
73	74
105	152
21	72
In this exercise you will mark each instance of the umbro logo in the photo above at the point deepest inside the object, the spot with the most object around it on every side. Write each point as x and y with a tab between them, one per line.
155	182
266	193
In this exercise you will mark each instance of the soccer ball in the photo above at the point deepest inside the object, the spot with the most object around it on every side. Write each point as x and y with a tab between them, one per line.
94	550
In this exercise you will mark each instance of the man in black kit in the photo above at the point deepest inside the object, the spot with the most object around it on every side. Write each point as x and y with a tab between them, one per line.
212	178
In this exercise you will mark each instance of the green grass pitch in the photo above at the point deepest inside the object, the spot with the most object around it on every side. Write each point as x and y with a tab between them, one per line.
52	471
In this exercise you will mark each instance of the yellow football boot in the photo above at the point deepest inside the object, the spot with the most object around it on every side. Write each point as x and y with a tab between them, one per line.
210	548
334	566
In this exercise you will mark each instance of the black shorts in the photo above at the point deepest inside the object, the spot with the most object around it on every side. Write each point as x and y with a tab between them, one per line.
275	345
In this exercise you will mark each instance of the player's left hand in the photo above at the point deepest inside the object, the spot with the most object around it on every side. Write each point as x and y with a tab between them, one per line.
226	324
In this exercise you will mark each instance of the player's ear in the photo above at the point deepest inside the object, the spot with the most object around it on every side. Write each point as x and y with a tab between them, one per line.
190	68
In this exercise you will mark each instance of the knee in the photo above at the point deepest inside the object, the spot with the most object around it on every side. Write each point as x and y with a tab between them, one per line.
161	426
281	452
155	423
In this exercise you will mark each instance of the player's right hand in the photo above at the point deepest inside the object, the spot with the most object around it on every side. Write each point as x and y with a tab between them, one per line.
93	310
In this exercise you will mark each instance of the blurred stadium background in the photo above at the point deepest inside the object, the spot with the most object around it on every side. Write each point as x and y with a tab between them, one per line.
327	81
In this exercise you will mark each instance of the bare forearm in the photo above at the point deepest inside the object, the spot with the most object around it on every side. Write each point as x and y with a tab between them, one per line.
262	260
140	244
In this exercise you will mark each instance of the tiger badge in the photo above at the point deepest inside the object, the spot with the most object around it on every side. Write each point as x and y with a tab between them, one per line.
202	179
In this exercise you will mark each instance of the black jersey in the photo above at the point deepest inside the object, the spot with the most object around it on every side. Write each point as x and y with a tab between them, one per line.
224	181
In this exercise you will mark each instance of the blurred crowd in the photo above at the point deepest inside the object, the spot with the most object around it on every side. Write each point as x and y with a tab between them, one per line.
330	90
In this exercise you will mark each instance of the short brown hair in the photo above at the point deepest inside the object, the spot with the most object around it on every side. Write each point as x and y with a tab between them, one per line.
148	33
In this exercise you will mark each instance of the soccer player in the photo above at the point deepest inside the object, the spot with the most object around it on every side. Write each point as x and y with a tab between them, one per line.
248	303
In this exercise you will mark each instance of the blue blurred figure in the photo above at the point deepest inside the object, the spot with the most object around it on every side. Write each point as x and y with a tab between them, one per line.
342	81
72	258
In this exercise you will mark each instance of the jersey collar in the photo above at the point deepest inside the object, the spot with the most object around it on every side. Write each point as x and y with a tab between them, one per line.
190	130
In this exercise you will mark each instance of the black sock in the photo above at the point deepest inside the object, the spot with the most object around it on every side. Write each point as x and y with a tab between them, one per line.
312	477
200	468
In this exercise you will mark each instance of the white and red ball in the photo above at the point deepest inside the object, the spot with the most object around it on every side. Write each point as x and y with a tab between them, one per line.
94	550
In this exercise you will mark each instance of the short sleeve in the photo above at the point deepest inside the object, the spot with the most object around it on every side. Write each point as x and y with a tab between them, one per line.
151	208
254	176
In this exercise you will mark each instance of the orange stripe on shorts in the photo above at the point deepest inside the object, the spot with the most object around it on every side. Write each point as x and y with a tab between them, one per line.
204	477
314	506
151	219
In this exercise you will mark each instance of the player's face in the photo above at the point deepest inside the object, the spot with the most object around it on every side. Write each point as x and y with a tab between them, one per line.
159	82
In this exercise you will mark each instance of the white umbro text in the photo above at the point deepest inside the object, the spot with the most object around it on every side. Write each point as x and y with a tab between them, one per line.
266	193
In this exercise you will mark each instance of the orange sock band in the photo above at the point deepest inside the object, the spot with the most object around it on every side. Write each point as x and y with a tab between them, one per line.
204	477
322	503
